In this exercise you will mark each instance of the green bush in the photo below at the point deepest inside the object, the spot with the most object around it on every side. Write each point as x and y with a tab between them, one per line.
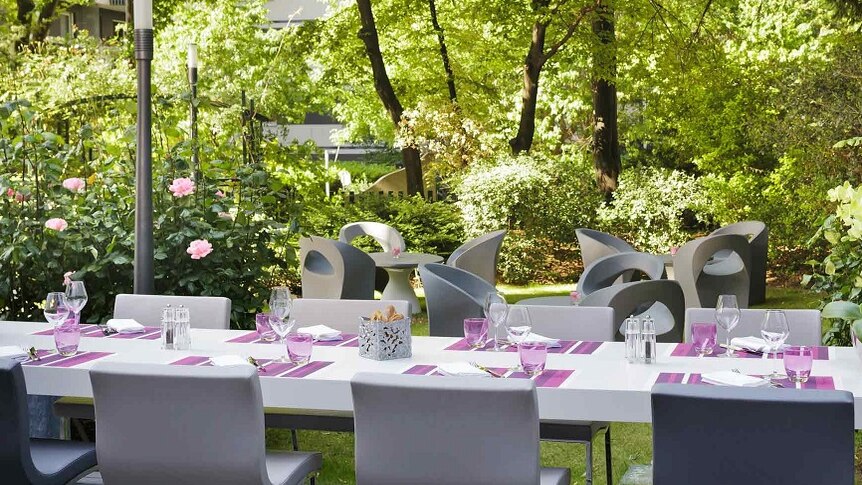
528	259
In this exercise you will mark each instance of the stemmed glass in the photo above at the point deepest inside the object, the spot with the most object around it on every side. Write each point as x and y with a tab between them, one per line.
56	311
76	298
774	331
727	316
280	305
518	324
496	310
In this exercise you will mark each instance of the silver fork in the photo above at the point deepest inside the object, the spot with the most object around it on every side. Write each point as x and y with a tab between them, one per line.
483	368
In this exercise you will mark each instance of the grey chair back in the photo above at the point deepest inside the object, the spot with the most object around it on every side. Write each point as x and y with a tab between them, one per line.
341	315
704	279
607	270
715	435
176	424
597	244
211	312
16	463
480	256
412	428
451	295
594	324
662	300
335	270
757	235
805	325
387	236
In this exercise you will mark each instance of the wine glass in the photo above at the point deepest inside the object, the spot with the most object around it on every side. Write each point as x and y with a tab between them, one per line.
280	305
518	324
496	310
727	316
56	311
774	331
282	327
76	298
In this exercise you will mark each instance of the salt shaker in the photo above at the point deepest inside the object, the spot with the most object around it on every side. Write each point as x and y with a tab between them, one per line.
648	337
168	328
633	339
182	329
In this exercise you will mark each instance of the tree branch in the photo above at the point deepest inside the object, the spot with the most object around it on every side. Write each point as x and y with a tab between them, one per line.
570	31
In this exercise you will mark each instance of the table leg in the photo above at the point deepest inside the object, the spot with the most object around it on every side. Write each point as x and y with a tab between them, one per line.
399	288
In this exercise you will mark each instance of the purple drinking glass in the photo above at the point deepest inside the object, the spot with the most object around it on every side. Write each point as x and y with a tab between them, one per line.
533	356
299	347
797	362
476	332
67	337
703	337
264	328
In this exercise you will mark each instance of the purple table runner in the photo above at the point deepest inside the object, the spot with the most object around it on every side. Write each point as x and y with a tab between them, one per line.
573	347
94	331
269	367
814	382
688	350
348	340
548	378
48	358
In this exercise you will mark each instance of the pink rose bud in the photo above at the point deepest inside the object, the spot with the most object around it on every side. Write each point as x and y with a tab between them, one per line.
219	194
396	252
21	197
67	278
10	192
74	184
182	187
56	224
673	250
199	248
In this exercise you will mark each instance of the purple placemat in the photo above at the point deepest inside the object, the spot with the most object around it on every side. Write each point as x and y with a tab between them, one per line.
814	382
688	350
94	331
574	347
48	358
268	367
548	378
348	340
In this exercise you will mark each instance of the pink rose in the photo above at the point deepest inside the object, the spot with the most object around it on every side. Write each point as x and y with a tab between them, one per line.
19	197
199	248
219	194
396	252
74	184
10	192
182	187
673	250
56	224
67	278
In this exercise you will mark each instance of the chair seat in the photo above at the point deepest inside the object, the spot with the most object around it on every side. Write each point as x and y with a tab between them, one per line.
61	461
729	264
291	468
578	431
555	476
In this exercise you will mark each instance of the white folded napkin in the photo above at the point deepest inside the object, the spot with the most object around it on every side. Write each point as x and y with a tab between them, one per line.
13	352
125	325
228	361
321	333
461	369
754	344
550	342
727	378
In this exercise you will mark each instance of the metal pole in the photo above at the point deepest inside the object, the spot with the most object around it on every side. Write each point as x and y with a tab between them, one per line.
144	277
193	83
326	166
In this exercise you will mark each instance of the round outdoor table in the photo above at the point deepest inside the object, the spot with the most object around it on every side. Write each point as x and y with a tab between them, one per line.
399	270
547	301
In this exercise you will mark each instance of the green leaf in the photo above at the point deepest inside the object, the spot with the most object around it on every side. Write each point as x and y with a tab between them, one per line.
842	309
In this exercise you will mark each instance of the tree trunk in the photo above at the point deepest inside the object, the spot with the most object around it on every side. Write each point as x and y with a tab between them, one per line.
530	92
383	86
444	52
35	29
606	144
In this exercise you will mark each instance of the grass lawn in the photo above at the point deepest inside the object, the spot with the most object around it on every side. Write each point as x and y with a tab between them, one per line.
632	442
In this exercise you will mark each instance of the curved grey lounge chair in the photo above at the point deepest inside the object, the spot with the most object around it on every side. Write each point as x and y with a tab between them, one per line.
176	424
211	312
451	295
758	238
664	297
480	256
703	281
25	461
446	422
607	270
715	435
386	236
597	244
335	270
805	325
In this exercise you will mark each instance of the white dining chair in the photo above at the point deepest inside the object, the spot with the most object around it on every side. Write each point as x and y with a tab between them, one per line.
341	315
805	325
205	311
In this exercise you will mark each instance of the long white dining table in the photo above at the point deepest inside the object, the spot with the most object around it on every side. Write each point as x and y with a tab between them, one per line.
602	386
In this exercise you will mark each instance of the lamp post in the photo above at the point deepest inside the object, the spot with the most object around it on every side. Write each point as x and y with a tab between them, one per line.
192	65
144	277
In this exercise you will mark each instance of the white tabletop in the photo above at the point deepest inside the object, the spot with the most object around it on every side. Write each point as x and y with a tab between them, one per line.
404	260
604	387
